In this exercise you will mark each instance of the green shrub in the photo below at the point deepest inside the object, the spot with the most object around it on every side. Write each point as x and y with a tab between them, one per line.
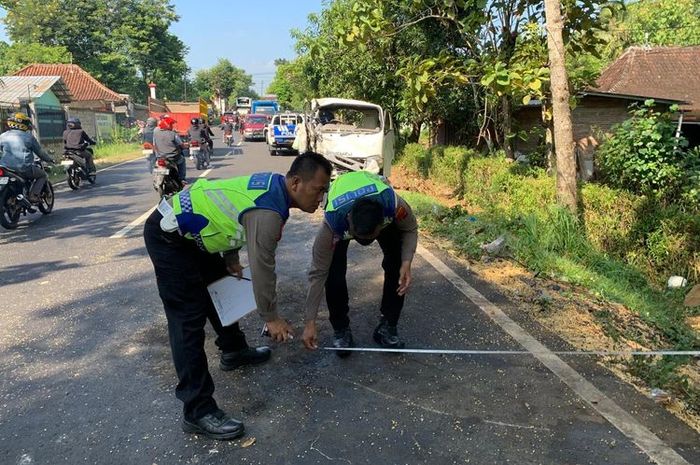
415	158
643	155
448	165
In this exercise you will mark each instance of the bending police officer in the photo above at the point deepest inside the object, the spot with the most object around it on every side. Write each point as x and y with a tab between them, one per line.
364	207
212	218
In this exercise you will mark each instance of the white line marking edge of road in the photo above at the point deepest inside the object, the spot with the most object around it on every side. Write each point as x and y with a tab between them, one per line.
648	442
125	230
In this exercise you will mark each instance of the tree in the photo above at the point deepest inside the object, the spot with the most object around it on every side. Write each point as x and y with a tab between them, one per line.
567	194
123	43
290	83
14	57
223	80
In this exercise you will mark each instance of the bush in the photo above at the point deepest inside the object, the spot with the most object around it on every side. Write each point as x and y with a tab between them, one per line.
644	156
448	165
415	158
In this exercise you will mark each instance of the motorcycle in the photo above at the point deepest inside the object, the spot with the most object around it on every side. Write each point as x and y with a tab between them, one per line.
14	197
199	151
228	138
76	170
166	177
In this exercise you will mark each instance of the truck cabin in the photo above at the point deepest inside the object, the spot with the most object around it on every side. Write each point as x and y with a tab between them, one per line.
341	117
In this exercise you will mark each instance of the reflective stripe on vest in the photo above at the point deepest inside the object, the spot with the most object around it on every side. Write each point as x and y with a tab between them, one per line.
186	206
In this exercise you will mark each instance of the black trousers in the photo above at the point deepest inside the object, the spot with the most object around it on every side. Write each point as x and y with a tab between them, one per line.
183	272
337	287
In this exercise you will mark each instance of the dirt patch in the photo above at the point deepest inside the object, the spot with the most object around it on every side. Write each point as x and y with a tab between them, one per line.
574	313
403	180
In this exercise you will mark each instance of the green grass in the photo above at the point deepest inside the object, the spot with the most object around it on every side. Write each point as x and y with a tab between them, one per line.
117	150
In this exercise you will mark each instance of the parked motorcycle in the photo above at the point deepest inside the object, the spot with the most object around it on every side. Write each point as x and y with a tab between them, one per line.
14	197
76	170
166	178
199	151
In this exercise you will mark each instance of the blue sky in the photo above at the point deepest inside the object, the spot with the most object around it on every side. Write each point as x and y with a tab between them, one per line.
249	33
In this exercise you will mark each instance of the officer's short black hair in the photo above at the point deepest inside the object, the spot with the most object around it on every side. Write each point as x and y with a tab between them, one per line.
306	165
366	215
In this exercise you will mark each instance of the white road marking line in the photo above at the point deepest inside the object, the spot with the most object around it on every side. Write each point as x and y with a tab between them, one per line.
647	441
125	230
141	219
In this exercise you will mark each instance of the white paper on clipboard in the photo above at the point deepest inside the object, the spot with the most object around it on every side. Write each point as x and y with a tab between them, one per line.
233	298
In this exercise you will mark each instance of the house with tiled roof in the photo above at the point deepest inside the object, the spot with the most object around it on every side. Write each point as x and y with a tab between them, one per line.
668	75
92	102
659	73
87	91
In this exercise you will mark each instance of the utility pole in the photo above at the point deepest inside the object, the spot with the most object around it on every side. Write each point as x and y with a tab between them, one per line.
567	194
184	84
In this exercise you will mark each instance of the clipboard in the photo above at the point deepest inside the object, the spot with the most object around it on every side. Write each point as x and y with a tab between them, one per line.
232	298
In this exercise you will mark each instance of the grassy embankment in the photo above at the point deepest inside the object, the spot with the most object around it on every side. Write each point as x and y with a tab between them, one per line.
622	247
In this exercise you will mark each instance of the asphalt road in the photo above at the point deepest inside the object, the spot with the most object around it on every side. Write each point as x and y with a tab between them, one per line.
87	375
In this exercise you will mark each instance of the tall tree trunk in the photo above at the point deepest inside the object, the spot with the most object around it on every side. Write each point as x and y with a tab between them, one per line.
563	132
507	124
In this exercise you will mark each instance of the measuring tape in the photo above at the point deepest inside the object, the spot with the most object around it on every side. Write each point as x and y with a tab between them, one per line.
690	353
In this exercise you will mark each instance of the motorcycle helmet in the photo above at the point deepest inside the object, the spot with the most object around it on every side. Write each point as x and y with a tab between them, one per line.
73	123
19	121
194	121
151	122
167	123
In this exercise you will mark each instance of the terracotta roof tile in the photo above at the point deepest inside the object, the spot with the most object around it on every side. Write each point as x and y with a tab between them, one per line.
661	72
81	84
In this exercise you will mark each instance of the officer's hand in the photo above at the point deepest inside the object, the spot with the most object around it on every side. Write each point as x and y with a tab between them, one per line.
404	277
280	330
233	266
310	336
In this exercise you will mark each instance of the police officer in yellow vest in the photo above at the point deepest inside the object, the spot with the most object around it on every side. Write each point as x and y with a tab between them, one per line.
196	243
364	207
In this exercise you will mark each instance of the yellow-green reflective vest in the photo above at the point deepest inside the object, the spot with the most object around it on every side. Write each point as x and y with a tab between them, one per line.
209	212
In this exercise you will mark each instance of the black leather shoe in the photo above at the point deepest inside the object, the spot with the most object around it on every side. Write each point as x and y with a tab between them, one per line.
217	425
387	336
249	356
341	340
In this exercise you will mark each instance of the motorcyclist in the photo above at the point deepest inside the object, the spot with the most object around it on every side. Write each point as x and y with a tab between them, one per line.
76	140
228	130
208	133
198	133
147	135
167	144
18	146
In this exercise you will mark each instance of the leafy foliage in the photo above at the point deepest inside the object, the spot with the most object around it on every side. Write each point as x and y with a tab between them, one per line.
14	57
643	155
223	80
123	43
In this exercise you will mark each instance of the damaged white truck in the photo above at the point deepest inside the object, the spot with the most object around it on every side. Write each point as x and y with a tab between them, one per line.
353	135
